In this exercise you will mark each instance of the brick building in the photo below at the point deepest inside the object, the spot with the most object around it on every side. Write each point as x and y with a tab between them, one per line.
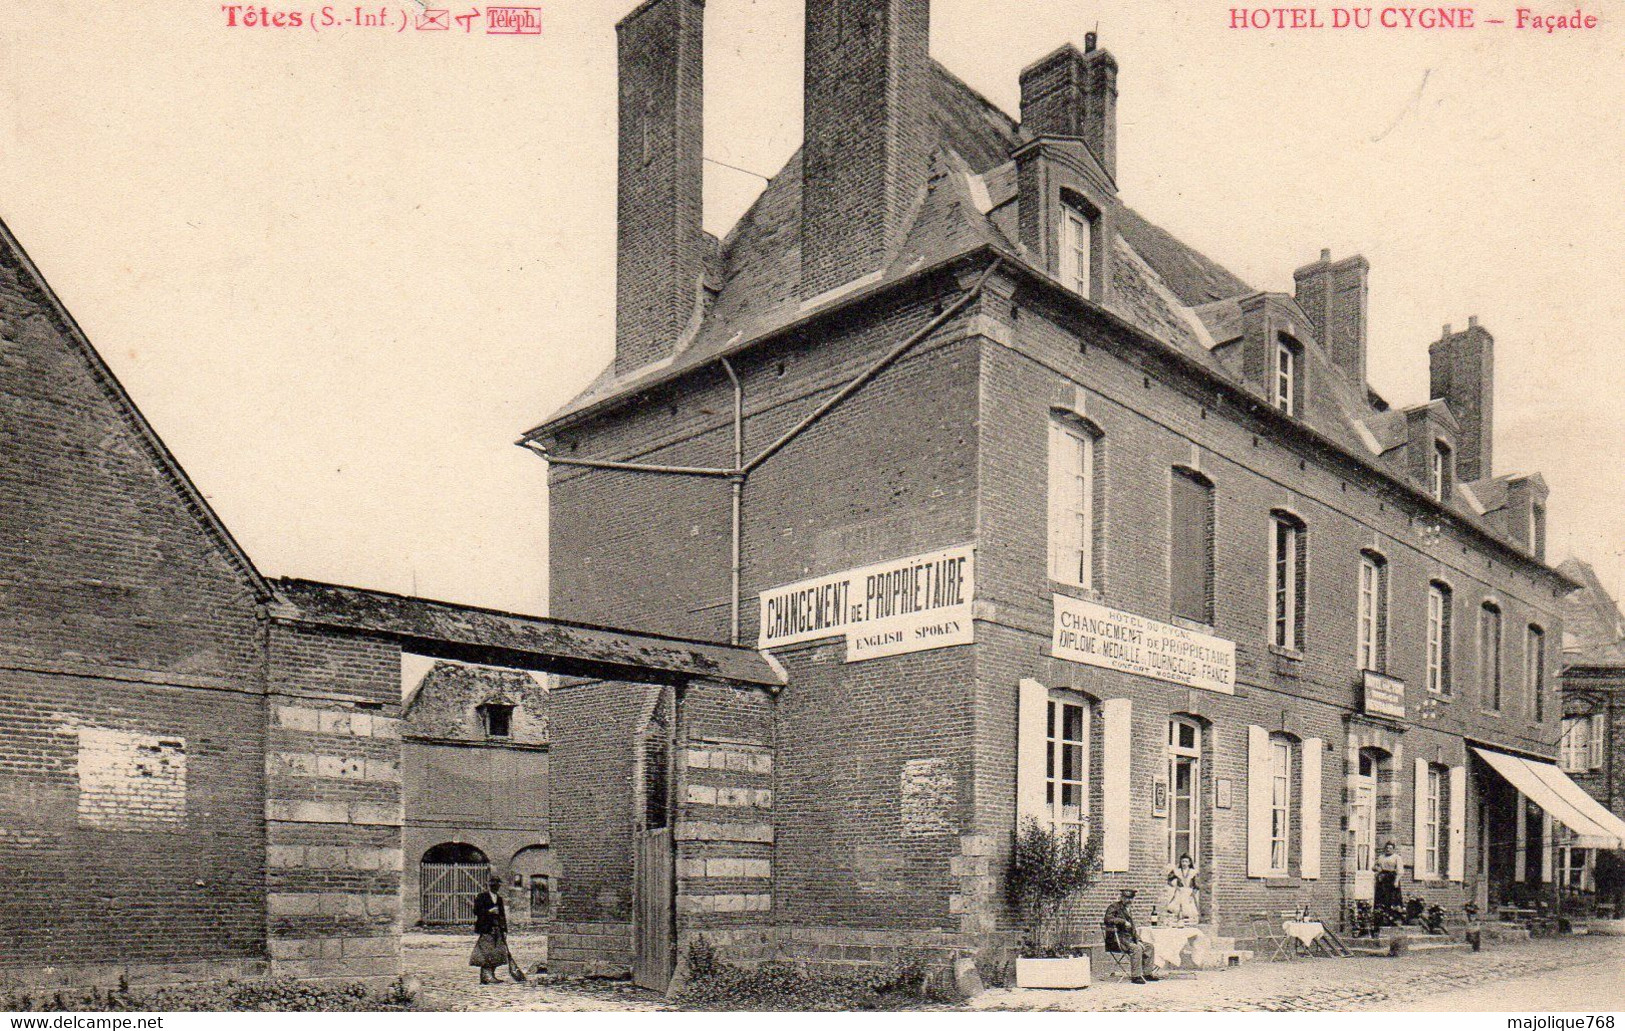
200	769
1043	512
1590	747
474	763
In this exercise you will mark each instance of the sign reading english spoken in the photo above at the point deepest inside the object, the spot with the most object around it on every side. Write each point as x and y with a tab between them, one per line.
890	608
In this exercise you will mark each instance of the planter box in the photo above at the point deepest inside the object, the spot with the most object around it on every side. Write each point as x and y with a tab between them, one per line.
1069	972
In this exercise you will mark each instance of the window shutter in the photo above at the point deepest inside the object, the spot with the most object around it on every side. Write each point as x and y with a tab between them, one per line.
1058	487
1258	802
1545	846
1314	751
1597	725
1419	810
1458	822
1032	757
1116	718
1188	544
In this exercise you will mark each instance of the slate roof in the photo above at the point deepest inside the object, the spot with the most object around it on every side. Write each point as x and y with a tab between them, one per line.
1162	286
1593	628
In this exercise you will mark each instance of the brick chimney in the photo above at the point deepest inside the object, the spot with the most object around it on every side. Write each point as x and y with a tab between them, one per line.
1335	297
1074	95
660	241
1462	372
869	135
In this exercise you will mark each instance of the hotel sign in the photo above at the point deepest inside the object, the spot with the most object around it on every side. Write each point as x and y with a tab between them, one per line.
1113	639
1384	696
890	608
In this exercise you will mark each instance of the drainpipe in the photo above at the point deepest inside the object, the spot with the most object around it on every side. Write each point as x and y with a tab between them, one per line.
737	480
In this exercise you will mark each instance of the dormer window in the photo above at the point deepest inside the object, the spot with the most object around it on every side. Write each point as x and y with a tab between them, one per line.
1287	362
1077	248
497	720
1442	465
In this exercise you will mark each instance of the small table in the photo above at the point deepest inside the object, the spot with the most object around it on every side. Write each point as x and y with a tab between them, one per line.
1169	942
1304	932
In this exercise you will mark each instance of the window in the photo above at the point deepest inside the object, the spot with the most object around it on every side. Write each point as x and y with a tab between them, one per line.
1489	656
1280	802
1537	531
498	720
1184	790
1439	638
1077	249
1066	780
1072	503
1574	748
1287	375
1190	547
1287	546
1535	675
1443	463
1431	804
1373	615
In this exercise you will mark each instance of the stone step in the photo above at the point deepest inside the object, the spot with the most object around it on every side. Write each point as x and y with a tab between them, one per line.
1368	947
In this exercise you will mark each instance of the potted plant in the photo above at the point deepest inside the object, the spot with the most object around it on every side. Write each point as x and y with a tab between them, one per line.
1046	870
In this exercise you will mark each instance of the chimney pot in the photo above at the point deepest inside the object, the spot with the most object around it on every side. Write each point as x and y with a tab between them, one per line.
1325	254
1472	320
1090	40
1446	330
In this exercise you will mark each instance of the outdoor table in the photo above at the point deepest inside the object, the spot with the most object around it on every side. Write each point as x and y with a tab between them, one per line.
1169	942
1307	932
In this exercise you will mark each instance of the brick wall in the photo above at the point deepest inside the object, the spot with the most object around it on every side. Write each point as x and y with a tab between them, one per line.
131	722
332	805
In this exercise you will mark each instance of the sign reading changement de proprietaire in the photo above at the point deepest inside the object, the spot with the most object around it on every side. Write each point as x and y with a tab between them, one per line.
1113	639
890	608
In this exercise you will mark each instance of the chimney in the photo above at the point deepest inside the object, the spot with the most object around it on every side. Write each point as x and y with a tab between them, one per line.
1074	95
660	242
1334	295
1462	372
869	135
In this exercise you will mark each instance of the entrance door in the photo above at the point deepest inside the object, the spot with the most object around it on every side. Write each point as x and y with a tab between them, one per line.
1185	791
653	928
654	918
1363	821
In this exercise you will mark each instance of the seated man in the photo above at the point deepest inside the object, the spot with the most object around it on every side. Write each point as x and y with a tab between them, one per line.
1123	937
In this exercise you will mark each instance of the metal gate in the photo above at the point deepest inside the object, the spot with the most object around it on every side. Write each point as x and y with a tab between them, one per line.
653	928
447	891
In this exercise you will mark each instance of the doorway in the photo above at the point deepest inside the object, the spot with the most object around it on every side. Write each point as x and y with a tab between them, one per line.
1184	790
654	922
1363	824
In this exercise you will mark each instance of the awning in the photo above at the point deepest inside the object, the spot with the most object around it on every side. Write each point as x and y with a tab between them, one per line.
1551	789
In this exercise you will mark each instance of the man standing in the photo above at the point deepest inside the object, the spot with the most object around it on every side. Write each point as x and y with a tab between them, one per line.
1122	936
491	924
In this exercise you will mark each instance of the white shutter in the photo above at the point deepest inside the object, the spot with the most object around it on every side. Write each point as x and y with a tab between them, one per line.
1520	857
1032	757
1117	809
1458	823
1419	829
1258	802
1598	728
1314	751
1057	506
1545	846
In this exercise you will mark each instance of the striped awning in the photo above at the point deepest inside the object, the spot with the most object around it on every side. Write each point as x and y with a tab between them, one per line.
1567	803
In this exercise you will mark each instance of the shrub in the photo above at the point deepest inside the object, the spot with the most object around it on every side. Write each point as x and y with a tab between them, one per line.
1047	869
716	985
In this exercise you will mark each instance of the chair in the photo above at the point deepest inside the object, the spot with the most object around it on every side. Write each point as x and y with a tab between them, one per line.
1286	947
1120	965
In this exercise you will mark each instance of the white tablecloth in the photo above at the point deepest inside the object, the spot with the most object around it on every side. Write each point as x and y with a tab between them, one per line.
1306	931
1169	942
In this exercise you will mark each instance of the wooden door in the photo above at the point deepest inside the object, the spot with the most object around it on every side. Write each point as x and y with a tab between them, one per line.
653	928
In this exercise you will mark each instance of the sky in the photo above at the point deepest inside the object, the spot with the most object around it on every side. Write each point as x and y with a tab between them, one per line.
342	271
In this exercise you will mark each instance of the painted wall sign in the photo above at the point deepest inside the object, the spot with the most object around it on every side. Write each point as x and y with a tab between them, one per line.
890	608
1113	639
1384	696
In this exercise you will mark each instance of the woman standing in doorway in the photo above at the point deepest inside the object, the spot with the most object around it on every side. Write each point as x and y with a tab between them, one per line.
1389	901
1181	906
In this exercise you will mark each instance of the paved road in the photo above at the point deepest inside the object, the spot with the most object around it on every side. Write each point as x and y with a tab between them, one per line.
1585	988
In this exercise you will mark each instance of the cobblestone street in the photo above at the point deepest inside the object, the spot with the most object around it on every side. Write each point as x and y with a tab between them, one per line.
1537	970
1552	975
